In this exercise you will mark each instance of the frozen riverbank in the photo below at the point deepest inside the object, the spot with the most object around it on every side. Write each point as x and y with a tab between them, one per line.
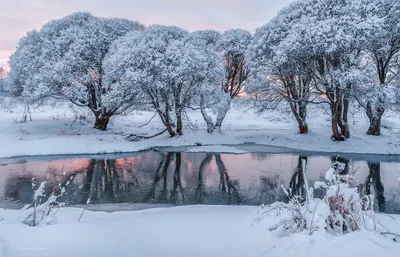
54	131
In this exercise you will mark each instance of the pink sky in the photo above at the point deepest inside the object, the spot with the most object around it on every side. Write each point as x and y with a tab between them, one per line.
20	16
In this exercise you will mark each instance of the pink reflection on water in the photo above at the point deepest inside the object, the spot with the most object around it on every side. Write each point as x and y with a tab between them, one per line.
250	172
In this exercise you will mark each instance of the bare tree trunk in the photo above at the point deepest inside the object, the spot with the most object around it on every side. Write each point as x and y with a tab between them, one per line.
101	122
207	119
28	110
299	111
209	122
303	126
375	117
170	130
344	111
344	129
167	120
336	134
221	116
179	122
339	110
375	111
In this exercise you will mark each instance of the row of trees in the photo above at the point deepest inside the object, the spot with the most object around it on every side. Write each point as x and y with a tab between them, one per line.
319	51
111	65
330	52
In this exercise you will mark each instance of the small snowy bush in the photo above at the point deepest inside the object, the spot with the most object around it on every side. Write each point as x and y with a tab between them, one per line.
44	212
344	201
295	217
342	210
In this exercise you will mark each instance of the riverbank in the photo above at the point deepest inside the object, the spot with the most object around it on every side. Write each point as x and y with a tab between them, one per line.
105	207
190	231
60	131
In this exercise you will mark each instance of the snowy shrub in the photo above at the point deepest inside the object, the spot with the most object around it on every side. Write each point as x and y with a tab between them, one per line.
44	212
342	210
295	217
344	201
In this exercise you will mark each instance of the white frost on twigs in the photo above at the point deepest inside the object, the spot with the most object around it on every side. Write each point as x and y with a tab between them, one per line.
40	190
329	174
319	184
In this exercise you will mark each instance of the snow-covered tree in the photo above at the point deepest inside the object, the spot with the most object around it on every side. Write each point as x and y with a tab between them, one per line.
67	57
205	38
328	31
2	79
232	46
25	65
210	96
321	45
168	68
381	35
279	72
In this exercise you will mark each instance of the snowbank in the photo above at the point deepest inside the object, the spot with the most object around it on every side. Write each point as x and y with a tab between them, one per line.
55	131
194	231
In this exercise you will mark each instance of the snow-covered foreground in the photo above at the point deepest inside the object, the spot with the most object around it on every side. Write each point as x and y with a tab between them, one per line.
179	232
54	130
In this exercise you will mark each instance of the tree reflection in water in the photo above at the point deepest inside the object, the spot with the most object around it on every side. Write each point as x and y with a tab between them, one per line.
296	184
199	195
104	183
161	173
374	179
229	188
270	190
343	161
177	192
191	178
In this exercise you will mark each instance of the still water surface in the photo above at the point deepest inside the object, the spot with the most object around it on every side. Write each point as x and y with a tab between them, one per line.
195	178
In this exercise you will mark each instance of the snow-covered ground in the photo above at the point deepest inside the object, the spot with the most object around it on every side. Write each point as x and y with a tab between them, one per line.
195	231
188	230
54	130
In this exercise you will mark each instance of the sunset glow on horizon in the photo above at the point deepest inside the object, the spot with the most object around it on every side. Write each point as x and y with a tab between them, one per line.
21	16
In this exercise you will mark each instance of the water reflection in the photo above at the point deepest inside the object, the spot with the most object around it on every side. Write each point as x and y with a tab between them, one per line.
344	162
374	180
296	184
196	178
